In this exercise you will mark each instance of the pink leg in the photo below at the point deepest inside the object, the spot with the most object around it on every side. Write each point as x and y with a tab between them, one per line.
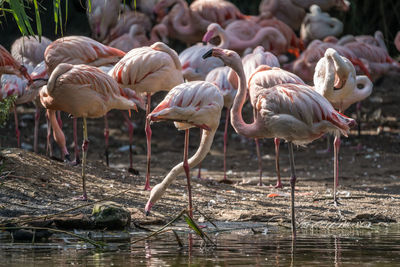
148	138
76	147
17	132
49	148
59	121
278	171
106	136
130	132
58	134
336	169
187	171
199	173
226	139
259	160
36	130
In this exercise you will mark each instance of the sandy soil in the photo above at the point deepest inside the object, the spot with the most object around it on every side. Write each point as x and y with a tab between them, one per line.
33	184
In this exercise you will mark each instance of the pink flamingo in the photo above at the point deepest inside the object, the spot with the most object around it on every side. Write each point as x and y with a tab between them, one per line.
102	17
318	25
188	24
243	34
292	12
8	65
335	78
125	23
29	50
82	91
78	50
137	37
148	70
251	63
220	77
191	104
293	112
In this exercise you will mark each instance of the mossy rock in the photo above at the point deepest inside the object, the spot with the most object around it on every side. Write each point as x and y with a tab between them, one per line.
111	216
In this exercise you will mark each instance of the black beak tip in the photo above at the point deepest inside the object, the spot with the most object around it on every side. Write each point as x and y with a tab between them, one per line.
147	213
204	43
207	54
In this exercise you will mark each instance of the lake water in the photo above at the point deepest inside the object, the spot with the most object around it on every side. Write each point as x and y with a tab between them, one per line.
267	246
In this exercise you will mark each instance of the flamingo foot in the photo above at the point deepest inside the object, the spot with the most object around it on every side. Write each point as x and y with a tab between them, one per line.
278	185
225	181
147	187
81	198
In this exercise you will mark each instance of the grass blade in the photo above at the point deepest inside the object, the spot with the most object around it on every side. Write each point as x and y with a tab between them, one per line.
38	22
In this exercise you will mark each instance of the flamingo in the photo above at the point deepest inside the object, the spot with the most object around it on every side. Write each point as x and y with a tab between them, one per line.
82	91
188	24
125	23
193	67
289	111
137	37
220	77
251	62
102	17
29	50
191	104
335	79
318	25
8	65
248	34
292	12
78	50
148	70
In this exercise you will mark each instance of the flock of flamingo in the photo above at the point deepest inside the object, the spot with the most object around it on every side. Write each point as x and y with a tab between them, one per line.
130	60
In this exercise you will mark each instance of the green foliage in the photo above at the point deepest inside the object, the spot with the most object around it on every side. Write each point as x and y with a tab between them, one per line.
5	105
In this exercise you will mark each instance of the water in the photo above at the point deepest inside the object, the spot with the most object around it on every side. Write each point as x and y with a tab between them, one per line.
270	247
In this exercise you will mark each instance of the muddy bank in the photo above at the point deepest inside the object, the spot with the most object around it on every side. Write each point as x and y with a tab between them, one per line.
33	184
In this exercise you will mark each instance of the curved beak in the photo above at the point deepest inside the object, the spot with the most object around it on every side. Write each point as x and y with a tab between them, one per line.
208	54
208	36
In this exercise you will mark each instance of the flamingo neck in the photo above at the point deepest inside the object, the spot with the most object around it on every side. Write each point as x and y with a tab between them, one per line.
205	145
240	126
224	44
265	34
183	14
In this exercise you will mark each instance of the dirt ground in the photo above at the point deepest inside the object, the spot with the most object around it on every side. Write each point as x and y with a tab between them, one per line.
34	184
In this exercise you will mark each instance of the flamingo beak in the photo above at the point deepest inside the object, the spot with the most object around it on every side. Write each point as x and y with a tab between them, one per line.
148	207
208	54
207	37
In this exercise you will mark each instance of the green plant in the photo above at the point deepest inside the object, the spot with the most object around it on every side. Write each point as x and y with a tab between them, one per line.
5	105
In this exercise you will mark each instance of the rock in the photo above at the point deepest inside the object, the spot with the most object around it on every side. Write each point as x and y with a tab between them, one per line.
110	215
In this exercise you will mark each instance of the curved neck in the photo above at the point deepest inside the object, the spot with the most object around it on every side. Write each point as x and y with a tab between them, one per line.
224	44
205	145
183	14
266	33
240	126
365	90
379	38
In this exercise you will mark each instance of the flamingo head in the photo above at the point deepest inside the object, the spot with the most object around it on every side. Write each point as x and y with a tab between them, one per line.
212	31
155	194
25	74
229	57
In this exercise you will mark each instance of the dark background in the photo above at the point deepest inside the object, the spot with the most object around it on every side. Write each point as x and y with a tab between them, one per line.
364	17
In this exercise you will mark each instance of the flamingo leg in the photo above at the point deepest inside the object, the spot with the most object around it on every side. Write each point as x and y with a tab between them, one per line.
49	148
76	147
358	109
278	171
17	132
226	139
336	169
148	139
59	121
199	173
292	187
106	136
130	132
259	160
36	130
85	146
187	171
